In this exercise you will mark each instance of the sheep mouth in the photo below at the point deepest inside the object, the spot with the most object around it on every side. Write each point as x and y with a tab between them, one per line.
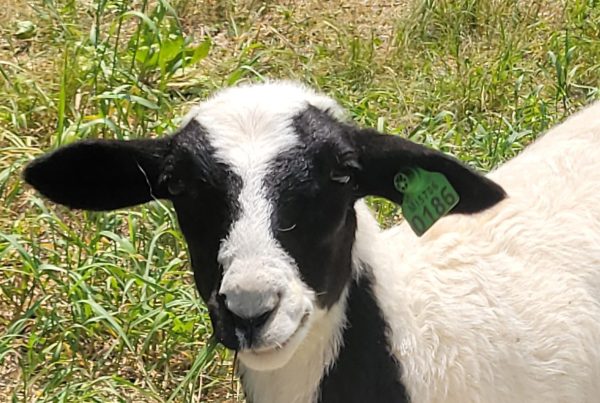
280	346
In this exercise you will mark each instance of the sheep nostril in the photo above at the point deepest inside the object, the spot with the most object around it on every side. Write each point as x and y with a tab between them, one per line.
251	326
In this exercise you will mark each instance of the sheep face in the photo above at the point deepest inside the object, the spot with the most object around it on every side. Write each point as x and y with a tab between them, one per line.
271	237
263	179
281	255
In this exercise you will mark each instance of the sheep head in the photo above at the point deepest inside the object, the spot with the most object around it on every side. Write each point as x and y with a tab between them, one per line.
263	179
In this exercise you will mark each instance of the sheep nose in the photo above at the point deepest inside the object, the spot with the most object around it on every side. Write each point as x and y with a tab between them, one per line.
251	294
249	313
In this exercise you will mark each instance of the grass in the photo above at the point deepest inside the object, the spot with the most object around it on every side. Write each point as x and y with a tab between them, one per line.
102	307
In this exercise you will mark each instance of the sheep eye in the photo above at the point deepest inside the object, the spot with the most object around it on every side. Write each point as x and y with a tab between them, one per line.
339	177
346	166
176	187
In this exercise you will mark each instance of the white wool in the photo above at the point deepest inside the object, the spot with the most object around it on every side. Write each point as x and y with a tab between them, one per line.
504	306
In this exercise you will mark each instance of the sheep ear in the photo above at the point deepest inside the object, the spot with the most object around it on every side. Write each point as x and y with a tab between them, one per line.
101	174
383	156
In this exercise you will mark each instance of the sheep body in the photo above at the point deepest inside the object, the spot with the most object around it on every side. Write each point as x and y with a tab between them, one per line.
504	306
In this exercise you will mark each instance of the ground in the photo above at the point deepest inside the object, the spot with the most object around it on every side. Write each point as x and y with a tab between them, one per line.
101	307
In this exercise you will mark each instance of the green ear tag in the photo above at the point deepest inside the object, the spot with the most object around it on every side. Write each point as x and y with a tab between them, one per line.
428	196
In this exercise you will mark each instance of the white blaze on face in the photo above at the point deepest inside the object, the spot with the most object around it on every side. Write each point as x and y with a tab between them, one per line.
248	128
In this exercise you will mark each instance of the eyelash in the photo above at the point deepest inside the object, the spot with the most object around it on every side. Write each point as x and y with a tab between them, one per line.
340	177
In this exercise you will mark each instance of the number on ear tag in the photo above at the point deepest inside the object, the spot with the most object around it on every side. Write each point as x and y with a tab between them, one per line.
428	196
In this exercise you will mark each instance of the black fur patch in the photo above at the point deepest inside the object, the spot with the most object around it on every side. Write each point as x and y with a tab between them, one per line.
100	174
206	209
365	370
313	216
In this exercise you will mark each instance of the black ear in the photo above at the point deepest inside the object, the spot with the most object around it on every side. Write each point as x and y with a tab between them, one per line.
381	157
101	174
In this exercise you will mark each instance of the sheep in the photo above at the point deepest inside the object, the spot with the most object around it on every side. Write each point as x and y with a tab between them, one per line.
499	301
